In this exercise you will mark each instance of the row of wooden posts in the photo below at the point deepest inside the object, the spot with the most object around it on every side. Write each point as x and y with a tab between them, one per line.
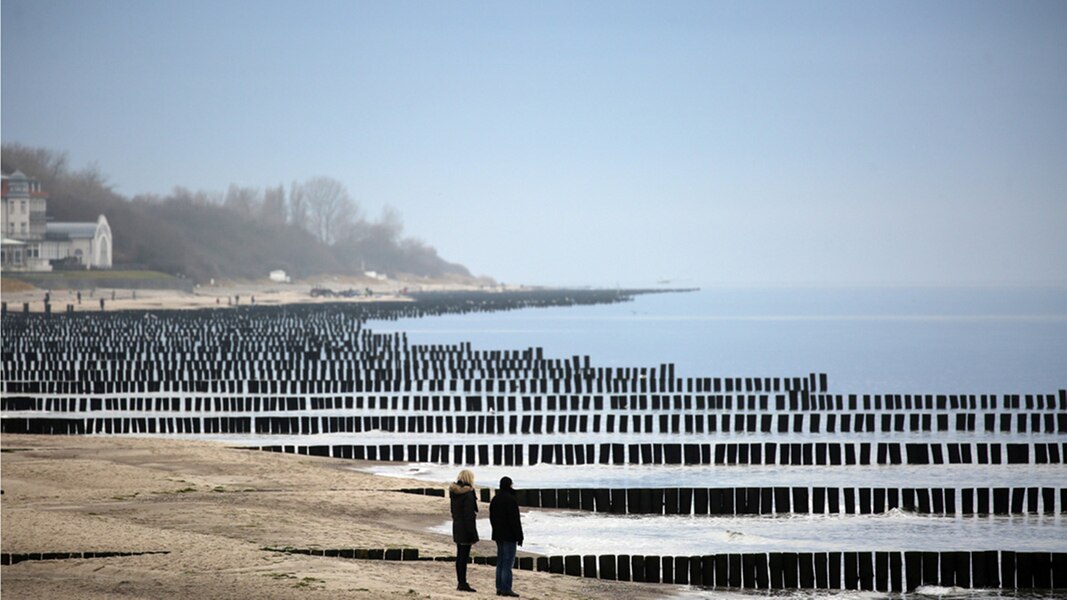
155	409
789	500
12	558
476	394
718	453
156	422
476	402
871	571
48	380
728	453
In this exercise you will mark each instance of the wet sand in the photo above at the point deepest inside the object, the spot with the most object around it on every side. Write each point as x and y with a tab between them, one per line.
215	509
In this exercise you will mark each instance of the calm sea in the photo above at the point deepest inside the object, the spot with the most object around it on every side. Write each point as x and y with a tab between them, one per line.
906	341
869	340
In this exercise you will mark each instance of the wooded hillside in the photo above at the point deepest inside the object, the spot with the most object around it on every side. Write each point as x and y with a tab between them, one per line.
313	228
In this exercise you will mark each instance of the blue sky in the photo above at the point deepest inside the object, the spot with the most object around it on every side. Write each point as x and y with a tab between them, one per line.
711	143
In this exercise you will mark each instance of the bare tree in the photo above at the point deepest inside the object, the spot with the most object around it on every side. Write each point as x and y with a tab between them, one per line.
92	175
181	194
273	210
39	162
230	233
244	200
329	207
298	208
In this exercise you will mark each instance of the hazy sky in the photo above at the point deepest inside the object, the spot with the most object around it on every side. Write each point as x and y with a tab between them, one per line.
591	142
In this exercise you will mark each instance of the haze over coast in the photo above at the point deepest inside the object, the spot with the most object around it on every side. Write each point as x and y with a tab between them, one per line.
605	143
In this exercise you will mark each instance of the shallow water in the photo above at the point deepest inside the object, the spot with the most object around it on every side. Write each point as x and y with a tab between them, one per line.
868	341
923	592
649	476
572	532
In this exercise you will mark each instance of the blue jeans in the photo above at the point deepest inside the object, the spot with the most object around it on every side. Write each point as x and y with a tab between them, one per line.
505	558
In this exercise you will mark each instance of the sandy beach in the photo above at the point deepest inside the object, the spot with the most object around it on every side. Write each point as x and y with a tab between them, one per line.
214	509
211	510
233	293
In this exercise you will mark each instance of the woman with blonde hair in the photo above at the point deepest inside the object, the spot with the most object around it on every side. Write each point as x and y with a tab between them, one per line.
464	528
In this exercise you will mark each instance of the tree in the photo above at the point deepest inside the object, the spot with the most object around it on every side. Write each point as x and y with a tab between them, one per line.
330	209
273	210
298	208
44	164
244	200
205	235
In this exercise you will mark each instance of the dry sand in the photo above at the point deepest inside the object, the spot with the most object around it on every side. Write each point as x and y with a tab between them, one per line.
214	509
232	293
214	297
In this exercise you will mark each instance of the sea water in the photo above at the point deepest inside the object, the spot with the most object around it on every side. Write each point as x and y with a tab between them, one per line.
868	341
876	341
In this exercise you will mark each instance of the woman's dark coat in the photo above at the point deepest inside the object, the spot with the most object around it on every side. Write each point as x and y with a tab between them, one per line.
464	513
504	516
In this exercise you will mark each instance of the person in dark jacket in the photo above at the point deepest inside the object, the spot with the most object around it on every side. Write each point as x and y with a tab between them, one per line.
507	533
464	527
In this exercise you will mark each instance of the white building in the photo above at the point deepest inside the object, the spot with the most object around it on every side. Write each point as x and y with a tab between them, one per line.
88	244
31	243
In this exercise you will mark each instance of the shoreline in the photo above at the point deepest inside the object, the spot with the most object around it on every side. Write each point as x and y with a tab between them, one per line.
257	294
233	295
215	509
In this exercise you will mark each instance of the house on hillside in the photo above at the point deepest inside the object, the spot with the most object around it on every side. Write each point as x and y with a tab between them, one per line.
30	243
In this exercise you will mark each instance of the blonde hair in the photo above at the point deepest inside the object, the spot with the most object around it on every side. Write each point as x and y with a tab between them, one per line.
466	476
